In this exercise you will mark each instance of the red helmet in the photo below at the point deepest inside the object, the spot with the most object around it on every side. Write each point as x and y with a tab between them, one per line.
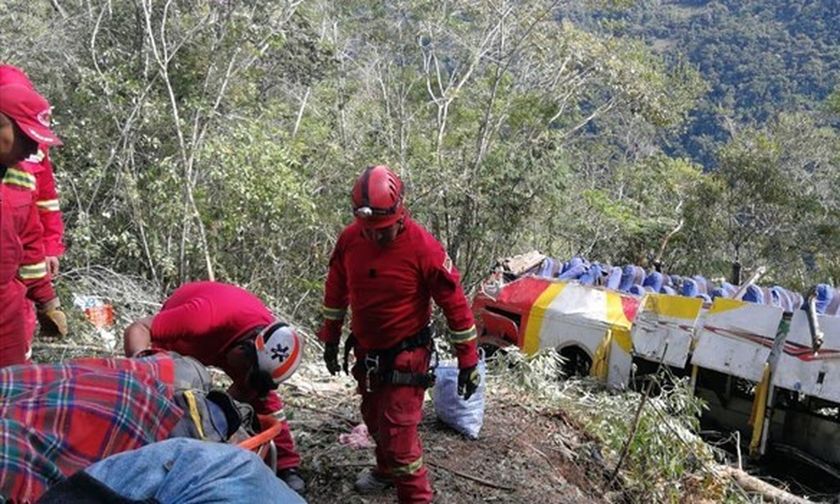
378	197
10	74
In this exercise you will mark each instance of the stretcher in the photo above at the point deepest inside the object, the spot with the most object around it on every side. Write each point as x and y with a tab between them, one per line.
263	443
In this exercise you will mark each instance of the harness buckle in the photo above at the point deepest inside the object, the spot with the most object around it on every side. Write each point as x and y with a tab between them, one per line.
431	377
371	367
434	356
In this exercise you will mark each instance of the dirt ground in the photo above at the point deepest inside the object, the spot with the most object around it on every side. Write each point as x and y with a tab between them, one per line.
522	456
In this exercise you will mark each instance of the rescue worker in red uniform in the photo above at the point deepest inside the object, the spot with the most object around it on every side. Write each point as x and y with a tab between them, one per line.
223	325
24	124
387	268
40	167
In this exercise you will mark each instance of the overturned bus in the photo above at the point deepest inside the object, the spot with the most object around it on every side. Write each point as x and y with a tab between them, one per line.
765	360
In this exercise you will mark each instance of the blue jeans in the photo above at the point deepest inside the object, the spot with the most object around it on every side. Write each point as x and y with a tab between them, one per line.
188	471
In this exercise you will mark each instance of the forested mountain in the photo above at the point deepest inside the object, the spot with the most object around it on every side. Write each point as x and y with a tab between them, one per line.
759	57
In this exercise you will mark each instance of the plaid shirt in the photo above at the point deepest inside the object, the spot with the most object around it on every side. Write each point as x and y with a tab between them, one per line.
56	419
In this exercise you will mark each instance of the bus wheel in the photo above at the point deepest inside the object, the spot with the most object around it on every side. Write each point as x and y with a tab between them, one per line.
575	362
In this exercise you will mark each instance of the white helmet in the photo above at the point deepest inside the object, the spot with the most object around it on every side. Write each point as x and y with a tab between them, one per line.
279	350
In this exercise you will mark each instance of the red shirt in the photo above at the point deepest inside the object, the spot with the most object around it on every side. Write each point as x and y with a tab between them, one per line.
389	290
203	319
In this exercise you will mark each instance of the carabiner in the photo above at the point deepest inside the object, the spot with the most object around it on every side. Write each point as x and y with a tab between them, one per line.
371	366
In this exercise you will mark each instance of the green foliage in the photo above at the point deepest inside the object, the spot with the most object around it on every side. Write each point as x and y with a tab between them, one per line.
222	138
833	102
262	234
772	201
760	58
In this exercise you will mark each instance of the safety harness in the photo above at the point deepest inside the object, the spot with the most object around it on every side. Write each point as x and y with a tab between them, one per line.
378	365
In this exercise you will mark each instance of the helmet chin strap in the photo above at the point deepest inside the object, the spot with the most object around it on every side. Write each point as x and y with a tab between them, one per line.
260	381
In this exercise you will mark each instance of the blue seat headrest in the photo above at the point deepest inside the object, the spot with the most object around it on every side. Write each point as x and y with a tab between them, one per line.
654	281
754	294
614	278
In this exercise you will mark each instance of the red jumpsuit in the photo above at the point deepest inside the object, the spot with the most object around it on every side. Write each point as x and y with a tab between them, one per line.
46	199
203	320
389	290
23	271
49	212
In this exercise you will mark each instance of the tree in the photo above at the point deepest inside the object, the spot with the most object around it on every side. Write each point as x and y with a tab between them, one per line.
773	201
479	106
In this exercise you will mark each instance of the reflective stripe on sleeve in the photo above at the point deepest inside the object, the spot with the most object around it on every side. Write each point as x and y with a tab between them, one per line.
48	205
19	178
462	336
33	271
279	415
334	313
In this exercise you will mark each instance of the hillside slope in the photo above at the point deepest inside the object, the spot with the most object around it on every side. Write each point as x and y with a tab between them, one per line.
759	58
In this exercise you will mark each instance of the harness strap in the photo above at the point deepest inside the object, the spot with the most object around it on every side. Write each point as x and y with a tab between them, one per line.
349	344
394	377
378	365
421	339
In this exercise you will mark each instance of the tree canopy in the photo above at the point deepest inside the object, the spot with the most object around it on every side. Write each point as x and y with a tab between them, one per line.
220	139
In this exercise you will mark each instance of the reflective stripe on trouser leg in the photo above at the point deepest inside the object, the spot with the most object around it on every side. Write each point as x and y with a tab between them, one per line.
408	469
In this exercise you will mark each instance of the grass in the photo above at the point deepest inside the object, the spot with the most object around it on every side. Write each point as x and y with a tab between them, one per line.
666	460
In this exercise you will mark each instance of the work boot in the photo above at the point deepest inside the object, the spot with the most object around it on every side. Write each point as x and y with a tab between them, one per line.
293	479
370	482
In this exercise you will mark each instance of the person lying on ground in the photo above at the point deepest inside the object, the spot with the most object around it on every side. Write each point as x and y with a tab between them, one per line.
56	419
176	471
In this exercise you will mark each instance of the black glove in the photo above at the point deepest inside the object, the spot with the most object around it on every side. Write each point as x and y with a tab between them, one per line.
331	358
468	381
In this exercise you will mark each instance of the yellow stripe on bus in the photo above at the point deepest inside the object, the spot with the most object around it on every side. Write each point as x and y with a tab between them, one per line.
615	312
535	318
673	306
725	304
